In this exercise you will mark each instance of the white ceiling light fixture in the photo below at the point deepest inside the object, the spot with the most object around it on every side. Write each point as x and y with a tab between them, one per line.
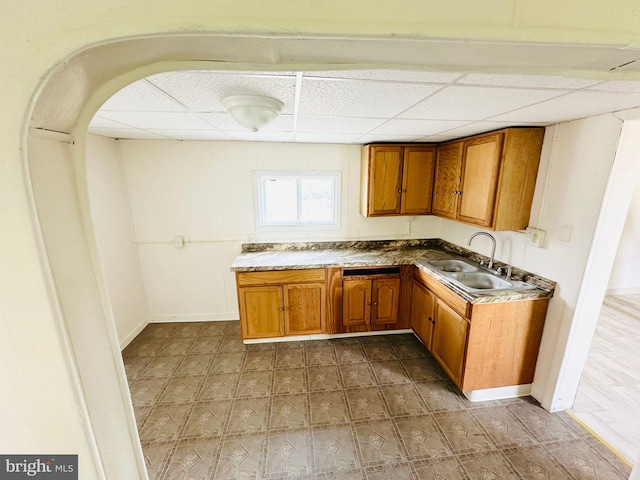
253	111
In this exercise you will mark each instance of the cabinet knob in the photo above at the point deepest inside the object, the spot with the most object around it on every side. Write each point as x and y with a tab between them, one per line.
375	303
400	191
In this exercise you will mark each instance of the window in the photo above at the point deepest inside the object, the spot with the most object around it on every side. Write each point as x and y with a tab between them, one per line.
297	199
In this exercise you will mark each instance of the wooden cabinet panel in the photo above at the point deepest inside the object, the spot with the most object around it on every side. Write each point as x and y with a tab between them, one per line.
304	308
479	179
447	179
280	277
396	180
385	300
261	311
385	180
422	313
417	180
452	299
449	340
356	302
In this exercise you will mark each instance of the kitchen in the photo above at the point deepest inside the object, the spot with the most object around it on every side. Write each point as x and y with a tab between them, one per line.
171	285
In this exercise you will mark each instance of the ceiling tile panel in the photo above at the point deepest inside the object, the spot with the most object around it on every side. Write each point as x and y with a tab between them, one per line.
531	81
203	91
210	134
337	124
130	133
370	138
573	106
388	75
400	126
617	86
262	136
158	120
326	138
478	127
224	121
352	98
141	96
476	103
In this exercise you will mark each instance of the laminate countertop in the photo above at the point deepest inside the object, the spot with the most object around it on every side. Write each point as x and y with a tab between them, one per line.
305	255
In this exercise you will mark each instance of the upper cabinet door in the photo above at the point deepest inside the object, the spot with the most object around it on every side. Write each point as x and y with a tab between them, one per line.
480	169
385	180
417	180
447	179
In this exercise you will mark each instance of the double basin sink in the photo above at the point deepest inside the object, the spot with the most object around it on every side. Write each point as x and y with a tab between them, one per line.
473	279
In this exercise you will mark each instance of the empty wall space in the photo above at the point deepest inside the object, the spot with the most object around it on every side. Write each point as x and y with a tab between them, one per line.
203	192
113	230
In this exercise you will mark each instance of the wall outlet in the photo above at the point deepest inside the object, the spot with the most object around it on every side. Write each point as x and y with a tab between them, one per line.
535	237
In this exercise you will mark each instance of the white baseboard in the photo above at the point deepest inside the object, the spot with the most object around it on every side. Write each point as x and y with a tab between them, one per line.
323	336
134	333
196	317
624	291
499	393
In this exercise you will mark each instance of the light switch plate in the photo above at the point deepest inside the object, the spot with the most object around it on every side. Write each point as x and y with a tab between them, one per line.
565	232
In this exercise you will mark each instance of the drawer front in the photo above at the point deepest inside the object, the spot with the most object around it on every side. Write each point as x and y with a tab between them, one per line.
281	276
457	303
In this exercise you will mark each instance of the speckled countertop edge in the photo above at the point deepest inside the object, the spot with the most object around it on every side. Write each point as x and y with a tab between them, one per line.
305	255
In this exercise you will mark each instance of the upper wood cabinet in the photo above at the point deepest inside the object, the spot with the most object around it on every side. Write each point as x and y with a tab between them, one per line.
396	179
488	180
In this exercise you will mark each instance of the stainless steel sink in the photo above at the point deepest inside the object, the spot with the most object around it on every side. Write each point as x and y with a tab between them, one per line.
473	279
482	281
452	265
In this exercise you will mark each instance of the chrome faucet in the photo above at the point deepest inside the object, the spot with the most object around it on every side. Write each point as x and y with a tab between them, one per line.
493	248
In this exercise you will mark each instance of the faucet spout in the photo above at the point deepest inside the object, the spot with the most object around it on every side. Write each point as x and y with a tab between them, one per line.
493	245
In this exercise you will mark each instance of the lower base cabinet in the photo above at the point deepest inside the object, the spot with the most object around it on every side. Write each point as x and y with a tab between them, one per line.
274	304
482	345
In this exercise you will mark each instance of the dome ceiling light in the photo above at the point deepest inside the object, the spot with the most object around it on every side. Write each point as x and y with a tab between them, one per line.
253	111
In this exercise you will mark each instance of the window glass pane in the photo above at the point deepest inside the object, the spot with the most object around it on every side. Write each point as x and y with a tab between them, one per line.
317	198
280	200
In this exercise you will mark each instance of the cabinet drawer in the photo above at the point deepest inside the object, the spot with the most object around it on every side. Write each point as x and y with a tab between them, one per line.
280	276
457	303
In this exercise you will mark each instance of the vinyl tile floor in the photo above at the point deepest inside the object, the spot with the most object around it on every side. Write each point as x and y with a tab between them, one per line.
374	408
607	399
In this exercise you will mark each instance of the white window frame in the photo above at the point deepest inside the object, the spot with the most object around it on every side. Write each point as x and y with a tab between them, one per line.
261	225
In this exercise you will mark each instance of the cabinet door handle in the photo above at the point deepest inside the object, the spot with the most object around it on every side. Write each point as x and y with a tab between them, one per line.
375	303
400	191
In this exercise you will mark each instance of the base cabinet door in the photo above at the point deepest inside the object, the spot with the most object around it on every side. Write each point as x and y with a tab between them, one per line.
356	302
449	340
304	308
422	313
385	300
261	311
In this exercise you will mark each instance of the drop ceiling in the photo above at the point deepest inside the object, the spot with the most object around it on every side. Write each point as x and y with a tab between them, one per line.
356	106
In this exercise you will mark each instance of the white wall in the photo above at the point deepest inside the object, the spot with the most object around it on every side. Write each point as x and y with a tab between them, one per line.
111	218
203	191
625	276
